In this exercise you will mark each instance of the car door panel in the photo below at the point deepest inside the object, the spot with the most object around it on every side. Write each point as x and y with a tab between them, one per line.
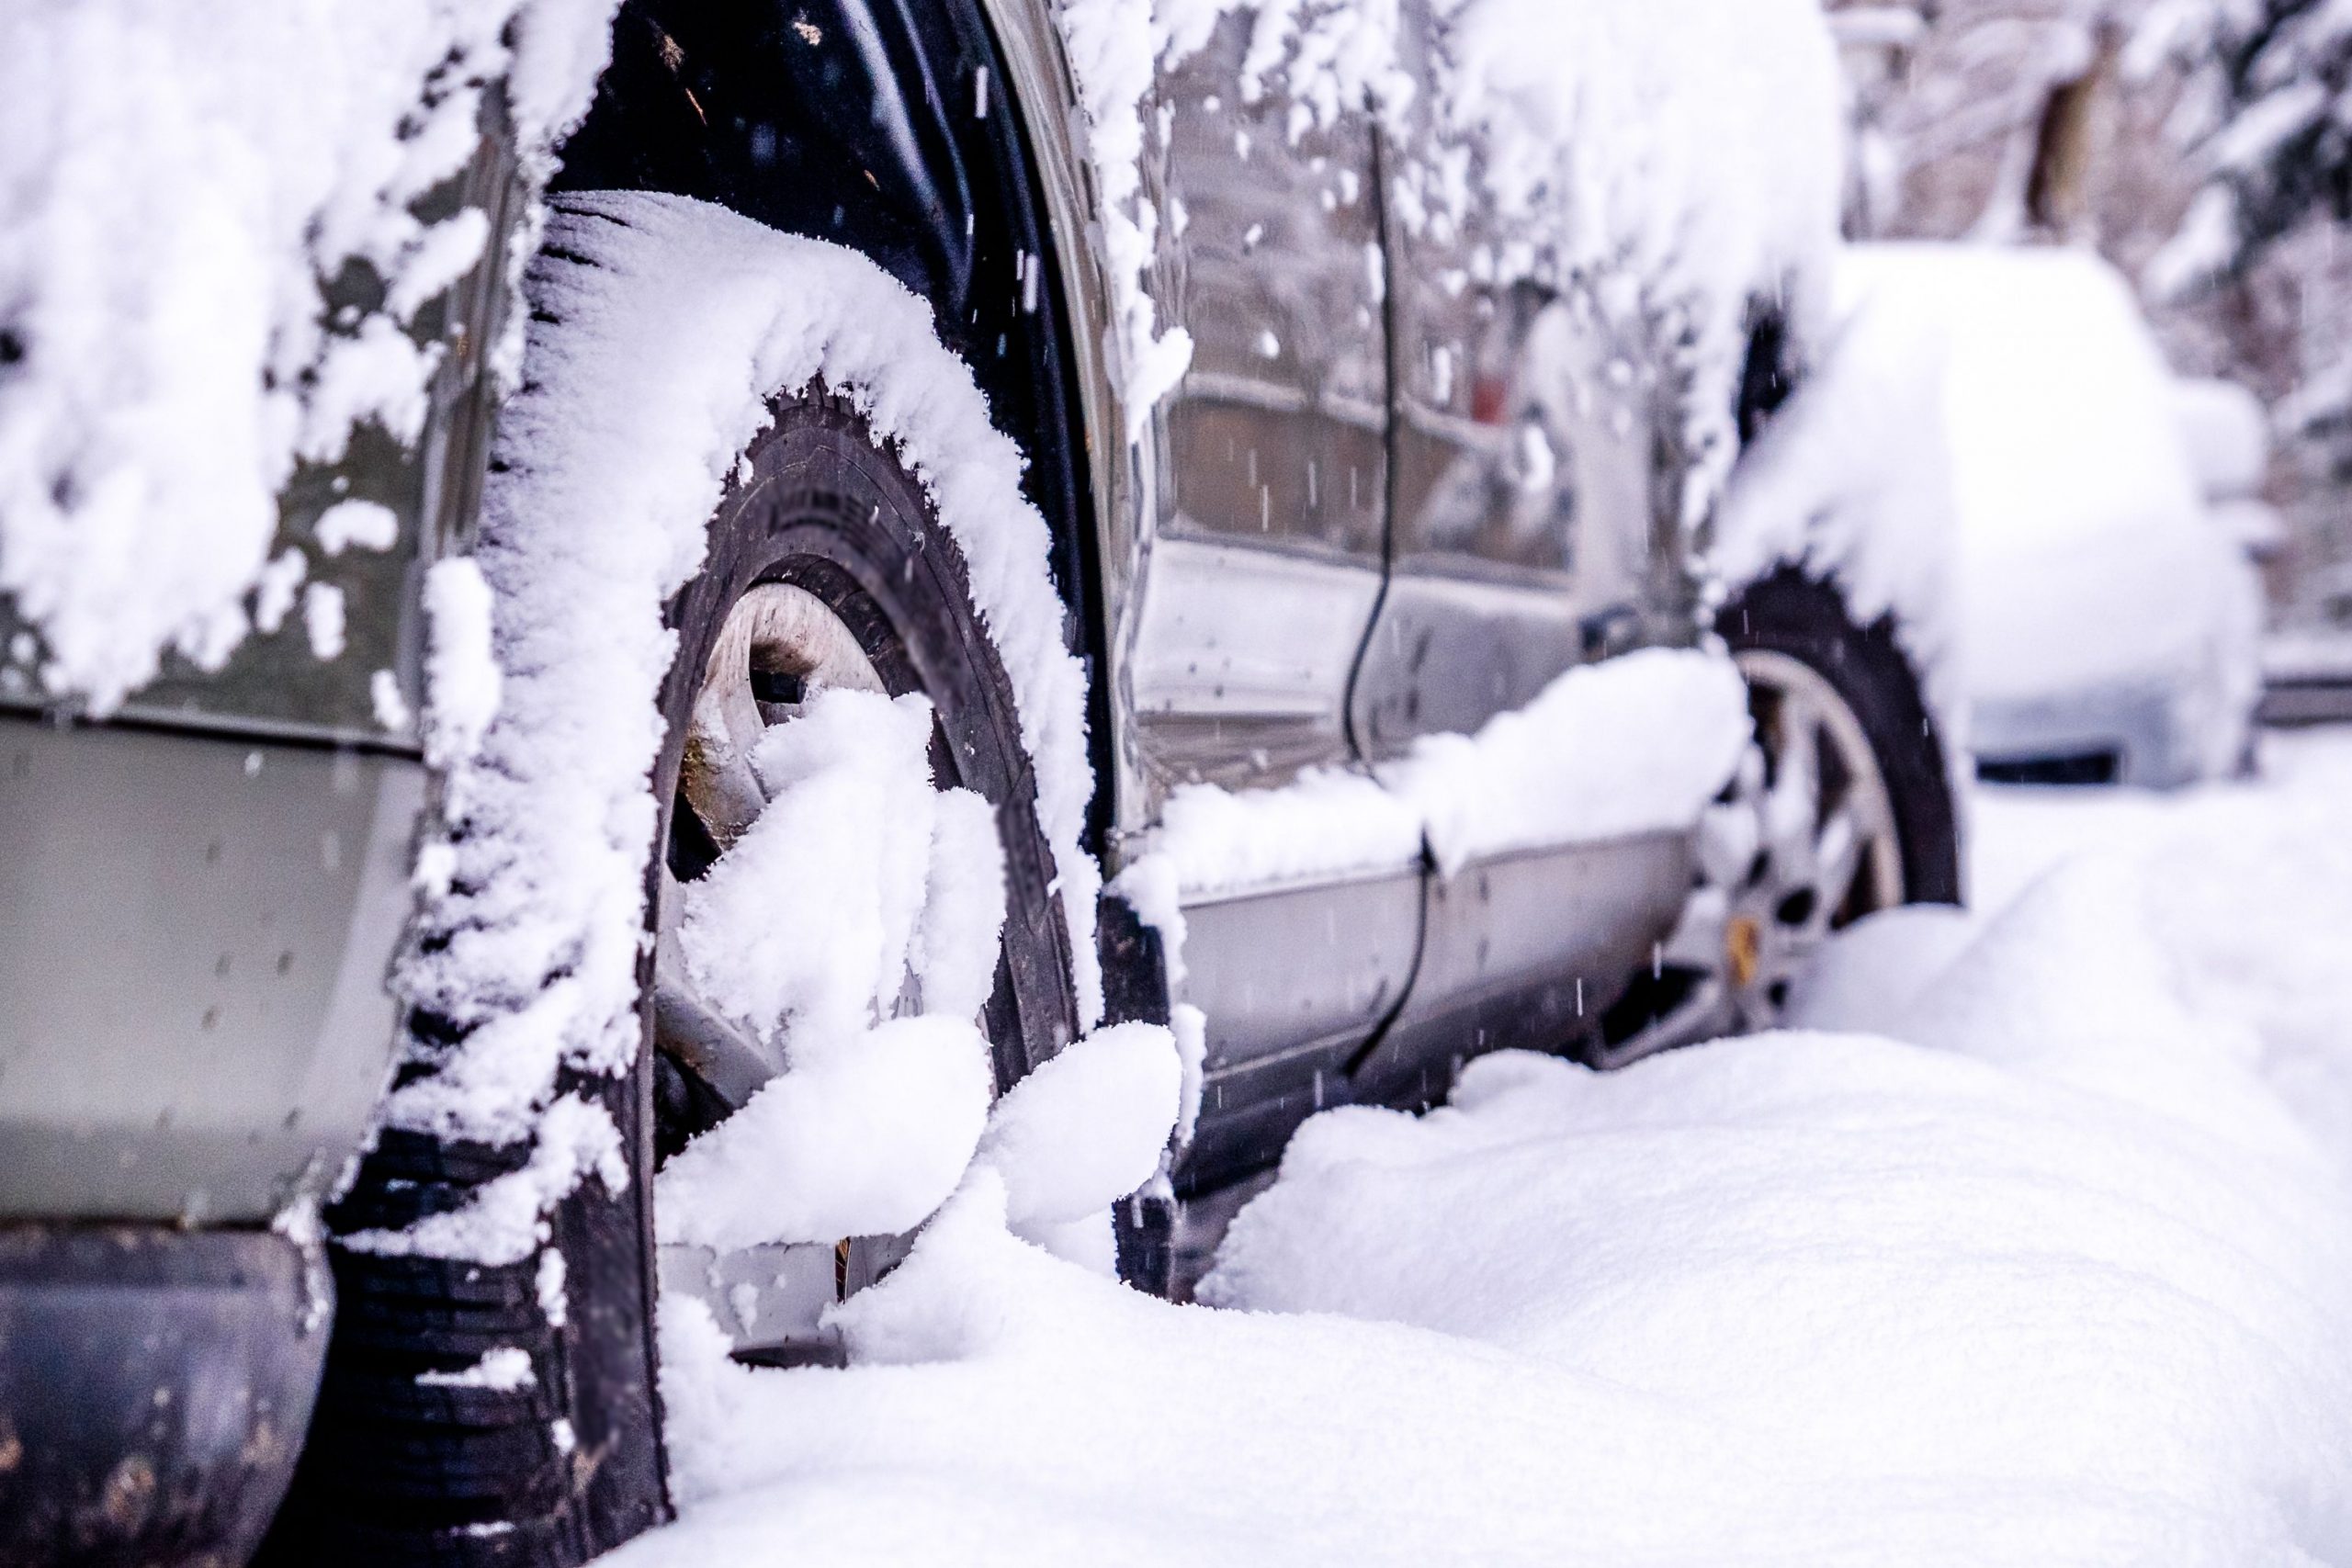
1263	567
1526	535
1272	471
1240	655
1300	979
1526	952
1532	533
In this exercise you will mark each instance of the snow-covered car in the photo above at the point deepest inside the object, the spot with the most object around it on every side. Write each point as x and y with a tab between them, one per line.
2109	607
799	576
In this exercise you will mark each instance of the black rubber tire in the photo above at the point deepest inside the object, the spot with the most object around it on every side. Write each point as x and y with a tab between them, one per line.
1806	619
397	1474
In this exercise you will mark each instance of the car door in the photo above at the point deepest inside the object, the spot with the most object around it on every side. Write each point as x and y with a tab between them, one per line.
1259	579
1532	531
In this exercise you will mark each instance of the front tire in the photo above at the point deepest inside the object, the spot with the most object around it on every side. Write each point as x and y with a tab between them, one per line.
414	1457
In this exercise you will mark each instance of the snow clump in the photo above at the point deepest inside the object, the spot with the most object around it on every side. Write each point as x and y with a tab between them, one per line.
804	928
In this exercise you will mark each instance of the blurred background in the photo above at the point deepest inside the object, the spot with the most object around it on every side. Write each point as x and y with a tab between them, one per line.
2200	147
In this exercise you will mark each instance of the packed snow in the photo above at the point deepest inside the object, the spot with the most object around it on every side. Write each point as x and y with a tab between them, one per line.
853	929
865	1141
803	931
807	932
2086	552
180	188
2033	1246
505	1369
651	371
1087	1128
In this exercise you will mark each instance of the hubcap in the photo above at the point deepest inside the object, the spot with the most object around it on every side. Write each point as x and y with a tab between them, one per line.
779	645
1802	843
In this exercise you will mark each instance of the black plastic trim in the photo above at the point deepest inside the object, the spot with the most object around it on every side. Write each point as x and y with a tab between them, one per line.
155	1385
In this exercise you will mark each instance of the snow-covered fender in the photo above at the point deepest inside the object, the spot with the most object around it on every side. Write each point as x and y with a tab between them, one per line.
204	898
942	142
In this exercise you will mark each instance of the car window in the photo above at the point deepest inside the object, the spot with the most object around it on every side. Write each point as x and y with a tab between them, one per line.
1277	436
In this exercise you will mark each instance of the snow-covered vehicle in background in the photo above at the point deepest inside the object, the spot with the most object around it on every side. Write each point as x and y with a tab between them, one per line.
2108	513
940	462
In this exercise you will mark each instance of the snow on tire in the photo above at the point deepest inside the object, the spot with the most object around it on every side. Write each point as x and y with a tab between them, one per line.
787	734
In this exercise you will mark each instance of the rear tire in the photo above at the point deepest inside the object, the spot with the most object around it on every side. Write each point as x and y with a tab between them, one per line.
1806	619
1875	823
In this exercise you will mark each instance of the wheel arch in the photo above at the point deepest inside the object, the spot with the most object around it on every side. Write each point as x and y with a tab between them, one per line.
864	122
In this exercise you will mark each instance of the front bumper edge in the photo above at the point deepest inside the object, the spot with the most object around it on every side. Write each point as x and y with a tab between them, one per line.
154	1387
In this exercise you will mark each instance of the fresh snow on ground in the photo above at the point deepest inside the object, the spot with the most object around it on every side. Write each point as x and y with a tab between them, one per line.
2049	1267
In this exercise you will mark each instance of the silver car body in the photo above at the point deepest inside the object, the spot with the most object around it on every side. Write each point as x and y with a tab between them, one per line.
1269	590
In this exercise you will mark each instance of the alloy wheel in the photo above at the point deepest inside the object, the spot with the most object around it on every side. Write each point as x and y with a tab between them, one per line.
1802	843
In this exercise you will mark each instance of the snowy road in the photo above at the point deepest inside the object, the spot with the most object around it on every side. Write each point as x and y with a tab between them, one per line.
2051	1262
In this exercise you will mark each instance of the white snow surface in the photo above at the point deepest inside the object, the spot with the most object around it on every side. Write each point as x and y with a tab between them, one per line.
859	877
1209	839
616	452
357	524
2086	554
1112	51
461	679
506	1221
1853	480
2051	1266
803	931
505	1369
1086	1128
177	184
1635	744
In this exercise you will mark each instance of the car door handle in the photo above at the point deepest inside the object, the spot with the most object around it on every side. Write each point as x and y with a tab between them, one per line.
1607	633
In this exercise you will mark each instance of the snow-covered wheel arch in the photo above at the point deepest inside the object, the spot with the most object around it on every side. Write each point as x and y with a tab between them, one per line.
686	363
610	461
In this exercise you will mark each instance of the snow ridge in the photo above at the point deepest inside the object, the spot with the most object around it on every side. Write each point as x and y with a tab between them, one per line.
1636	744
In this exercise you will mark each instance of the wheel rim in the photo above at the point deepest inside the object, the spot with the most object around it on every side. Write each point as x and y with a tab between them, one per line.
1803	842
778	646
